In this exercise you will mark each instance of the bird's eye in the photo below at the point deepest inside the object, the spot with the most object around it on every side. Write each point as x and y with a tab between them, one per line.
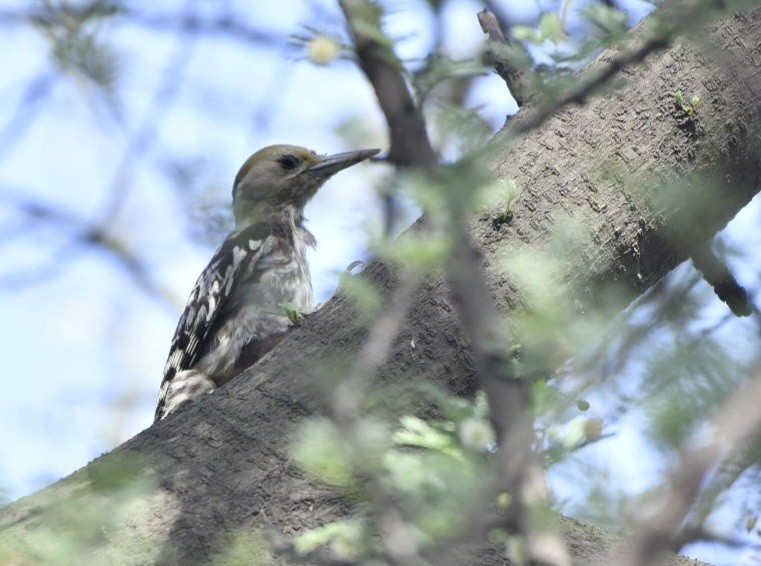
288	162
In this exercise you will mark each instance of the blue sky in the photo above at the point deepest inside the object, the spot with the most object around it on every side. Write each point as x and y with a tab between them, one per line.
85	349
91	343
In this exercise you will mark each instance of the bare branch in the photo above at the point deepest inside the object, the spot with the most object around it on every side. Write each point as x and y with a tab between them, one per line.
345	410
410	146
145	135
96	233
733	426
510	73
521	474
26	111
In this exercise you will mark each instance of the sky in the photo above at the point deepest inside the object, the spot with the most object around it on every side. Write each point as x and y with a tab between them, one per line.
93	344
86	347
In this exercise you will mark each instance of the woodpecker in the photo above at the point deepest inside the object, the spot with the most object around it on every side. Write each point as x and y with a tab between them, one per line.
234	314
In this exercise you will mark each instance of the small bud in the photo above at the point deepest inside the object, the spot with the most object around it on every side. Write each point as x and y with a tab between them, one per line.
322	50
504	500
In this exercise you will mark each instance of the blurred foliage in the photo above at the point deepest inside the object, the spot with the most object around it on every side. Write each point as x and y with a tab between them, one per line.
428	470
363	294
683	384
347	539
245	548
115	493
594	370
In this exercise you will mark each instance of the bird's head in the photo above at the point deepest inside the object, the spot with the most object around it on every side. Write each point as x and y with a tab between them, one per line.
282	176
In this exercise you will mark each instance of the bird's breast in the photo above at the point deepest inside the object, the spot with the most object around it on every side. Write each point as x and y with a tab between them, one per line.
255	313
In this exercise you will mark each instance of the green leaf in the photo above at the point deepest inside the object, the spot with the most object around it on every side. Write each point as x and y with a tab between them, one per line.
348	535
481	406
362	293
417	432
409	472
542	396
293	312
465	125
441	69
419	253
551	27
501	193
525	33
610	21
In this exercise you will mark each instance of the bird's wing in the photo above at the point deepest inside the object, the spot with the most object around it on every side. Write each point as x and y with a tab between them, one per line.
213	288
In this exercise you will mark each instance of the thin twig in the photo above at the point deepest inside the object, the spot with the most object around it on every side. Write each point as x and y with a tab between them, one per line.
521	473
226	26
145	135
348	395
685	16
27	110
510	73
97	233
84	236
507	397
580	94
733	426
346	412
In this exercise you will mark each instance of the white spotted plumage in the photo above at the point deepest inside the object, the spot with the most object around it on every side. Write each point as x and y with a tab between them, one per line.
216	327
234	314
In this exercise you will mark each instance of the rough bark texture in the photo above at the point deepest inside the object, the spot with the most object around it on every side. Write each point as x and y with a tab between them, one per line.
221	466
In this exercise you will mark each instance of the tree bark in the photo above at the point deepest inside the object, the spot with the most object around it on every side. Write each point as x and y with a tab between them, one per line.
220	468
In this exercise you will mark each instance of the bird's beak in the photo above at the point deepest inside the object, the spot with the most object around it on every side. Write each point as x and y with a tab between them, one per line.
332	164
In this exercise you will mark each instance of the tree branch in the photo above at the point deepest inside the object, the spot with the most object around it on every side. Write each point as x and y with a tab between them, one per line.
410	146
507	396
732	428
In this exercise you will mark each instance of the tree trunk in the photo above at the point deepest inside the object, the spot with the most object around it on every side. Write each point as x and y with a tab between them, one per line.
221	469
